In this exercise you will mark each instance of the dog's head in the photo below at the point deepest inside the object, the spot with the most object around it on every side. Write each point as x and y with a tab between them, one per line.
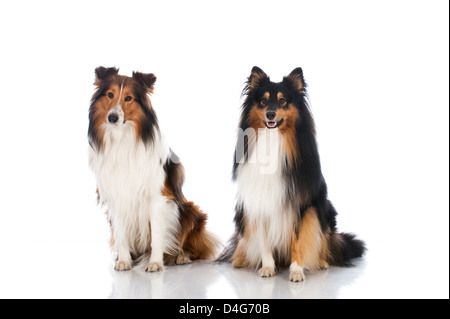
121	100
274	105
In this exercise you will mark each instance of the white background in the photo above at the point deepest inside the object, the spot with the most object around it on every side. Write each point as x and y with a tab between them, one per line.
378	76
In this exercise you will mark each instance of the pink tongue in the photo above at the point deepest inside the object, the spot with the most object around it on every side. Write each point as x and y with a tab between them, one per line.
271	124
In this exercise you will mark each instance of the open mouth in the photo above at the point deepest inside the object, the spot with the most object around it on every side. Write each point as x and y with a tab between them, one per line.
273	124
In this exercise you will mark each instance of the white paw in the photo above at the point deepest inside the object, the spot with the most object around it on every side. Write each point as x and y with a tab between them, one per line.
267	272
296	276
154	267
296	273
122	265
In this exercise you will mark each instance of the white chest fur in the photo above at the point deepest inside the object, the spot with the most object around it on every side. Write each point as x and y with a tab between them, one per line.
130	177
260	184
126	170
262	191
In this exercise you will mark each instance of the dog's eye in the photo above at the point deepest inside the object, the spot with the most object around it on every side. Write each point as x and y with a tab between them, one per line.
128	98
282	101
110	95
263	100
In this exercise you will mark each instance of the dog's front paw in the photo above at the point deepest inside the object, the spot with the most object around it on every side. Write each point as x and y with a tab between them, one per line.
154	267
296	276
122	265
296	273
183	260
267	272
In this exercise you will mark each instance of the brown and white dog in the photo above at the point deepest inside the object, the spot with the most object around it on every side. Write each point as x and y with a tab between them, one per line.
140	179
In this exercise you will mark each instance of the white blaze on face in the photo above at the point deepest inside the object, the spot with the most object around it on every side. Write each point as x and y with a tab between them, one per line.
117	109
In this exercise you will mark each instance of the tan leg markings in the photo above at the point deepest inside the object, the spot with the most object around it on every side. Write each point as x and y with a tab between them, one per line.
307	248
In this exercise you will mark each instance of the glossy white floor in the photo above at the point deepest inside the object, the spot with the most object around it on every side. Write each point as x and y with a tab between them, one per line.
206	280
62	274
82	269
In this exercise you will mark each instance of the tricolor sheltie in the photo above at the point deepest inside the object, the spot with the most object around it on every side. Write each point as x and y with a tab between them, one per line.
139	178
283	215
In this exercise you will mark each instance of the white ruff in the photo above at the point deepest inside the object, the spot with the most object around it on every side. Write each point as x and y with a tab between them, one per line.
262	194
130	177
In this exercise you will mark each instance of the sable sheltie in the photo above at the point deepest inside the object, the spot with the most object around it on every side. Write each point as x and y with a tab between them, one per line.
139	178
283	215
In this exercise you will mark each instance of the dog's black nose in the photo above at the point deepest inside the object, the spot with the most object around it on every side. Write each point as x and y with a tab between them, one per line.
270	115
113	118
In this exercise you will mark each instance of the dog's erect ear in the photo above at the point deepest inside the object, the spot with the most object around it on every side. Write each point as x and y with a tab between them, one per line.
297	80
145	79
257	78
102	73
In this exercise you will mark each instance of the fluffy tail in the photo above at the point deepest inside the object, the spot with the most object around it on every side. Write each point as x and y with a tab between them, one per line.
228	252
200	243
343	247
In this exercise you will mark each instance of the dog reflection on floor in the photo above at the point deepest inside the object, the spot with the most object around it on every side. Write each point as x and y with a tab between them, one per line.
205	280
326	284
174	283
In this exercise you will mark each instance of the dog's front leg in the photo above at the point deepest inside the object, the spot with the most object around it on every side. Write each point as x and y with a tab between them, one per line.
268	263
122	247
158	229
